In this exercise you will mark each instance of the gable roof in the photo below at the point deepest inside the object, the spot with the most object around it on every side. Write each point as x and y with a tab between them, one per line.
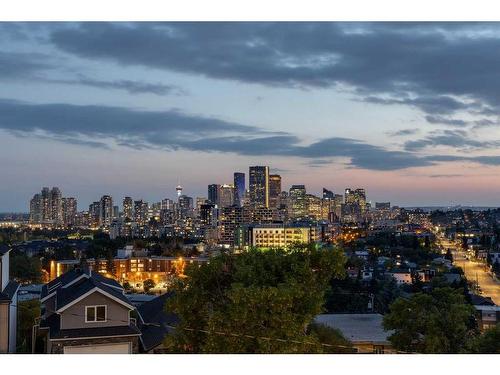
155	322
76	284
4	249
9	291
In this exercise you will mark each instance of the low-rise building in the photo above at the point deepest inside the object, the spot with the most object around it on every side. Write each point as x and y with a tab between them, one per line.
84	312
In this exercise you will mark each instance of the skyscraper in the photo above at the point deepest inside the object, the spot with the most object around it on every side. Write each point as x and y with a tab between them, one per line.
46	208
56	214
298	202
274	190
69	209
226	196
213	193
140	212
128	208
105	211
239	186
258	181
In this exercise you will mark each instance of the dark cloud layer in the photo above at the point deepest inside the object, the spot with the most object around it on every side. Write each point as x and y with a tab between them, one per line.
438	68
170	130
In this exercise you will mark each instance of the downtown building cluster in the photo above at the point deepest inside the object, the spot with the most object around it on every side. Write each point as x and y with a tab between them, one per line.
235	214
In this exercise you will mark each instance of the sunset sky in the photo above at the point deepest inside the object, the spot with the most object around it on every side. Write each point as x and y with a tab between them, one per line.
406	110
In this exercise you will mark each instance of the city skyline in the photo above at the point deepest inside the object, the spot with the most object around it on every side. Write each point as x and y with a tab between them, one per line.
196	102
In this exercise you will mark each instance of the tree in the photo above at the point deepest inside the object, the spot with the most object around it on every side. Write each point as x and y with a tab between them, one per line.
331	336
24	268
244	303
148	285
488	342
27	312
437	322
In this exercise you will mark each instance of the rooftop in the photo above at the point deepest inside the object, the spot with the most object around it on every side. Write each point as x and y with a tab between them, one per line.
357	328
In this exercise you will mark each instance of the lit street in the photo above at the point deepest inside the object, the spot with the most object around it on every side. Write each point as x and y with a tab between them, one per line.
475	271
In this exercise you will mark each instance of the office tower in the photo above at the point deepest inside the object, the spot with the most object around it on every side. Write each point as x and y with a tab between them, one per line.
239	186
258	181
337	206
56	214
69	210
106	211
116	212
328	194
226	196
198	202
167	204
360	195
314	207
185	204
94	214
297	202
349	196
208	214
213	193
140	212
274	190
128	208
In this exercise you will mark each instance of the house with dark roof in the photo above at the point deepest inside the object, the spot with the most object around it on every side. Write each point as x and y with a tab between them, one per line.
365	331
155	323
85	312
8	305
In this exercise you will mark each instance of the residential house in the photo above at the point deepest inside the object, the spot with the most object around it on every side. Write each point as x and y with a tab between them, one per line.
8	305
401	276
84	312
487	316
364	331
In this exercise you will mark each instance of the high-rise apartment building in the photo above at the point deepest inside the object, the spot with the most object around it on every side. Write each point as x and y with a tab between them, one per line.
46	207
258	182
274	190
140	212
69	210
106	211
239	186
56	213
128	208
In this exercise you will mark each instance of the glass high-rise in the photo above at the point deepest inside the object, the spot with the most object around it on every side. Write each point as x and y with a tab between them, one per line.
258	181
239	186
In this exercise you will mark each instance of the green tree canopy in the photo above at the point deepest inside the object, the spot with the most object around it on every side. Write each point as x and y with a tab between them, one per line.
437	322
488	342
244	303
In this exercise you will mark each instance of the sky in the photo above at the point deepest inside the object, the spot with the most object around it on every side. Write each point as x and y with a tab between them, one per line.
408	111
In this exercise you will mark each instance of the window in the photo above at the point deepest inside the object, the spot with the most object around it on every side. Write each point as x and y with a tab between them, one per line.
95	314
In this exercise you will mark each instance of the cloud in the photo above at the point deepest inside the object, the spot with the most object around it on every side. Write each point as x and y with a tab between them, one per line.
132	87
403	132
445	175
16	65
439	68
449	138
445	120
173	130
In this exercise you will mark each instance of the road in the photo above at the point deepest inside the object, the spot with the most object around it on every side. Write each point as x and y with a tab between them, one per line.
475	271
